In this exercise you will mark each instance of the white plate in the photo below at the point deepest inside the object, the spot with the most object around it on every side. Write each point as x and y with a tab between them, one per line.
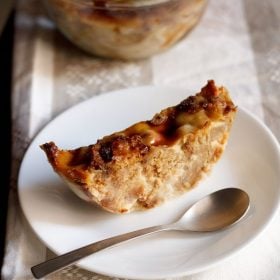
64	222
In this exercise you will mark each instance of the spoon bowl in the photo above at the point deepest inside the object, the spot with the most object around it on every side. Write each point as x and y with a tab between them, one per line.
216	211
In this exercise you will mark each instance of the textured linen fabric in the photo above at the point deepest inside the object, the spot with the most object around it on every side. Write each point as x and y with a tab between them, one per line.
237	43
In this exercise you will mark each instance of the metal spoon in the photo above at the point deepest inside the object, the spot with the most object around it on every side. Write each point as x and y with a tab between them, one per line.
213	212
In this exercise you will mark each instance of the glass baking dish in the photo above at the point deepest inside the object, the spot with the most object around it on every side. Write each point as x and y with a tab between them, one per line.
125	29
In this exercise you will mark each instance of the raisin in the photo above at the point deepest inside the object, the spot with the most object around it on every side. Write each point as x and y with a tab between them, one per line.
188	105
106	152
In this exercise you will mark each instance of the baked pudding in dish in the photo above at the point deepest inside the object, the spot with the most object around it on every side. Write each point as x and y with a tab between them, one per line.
151	161
125	29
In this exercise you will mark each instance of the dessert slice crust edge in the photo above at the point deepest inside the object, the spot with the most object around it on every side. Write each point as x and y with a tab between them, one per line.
152	161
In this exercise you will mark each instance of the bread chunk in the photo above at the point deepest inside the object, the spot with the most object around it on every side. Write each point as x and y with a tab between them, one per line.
151	161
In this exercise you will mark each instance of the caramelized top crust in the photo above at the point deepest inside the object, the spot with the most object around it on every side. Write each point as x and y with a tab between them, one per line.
166	128
113	12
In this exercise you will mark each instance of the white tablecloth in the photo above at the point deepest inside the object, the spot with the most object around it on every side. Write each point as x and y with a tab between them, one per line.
237	43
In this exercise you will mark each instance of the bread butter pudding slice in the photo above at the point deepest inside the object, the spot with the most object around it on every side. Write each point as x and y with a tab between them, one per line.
151	161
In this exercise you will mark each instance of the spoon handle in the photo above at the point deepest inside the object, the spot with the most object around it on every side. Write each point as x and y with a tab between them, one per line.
59	262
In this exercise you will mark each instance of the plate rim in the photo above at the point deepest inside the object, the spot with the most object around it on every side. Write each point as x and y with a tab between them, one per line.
200	268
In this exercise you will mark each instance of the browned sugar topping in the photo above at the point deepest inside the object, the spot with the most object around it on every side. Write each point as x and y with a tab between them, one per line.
136	140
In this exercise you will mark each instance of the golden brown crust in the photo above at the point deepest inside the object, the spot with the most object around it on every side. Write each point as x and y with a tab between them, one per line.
128	169
113	13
